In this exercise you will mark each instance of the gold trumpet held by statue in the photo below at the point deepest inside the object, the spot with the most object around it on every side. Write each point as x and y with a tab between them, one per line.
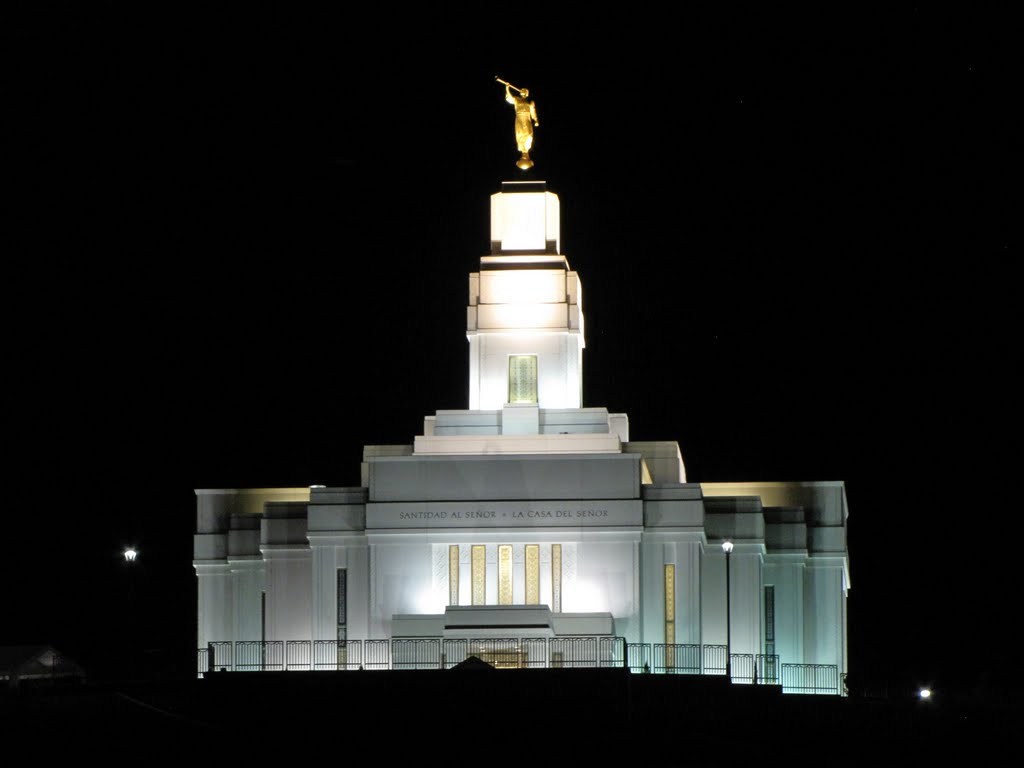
506	82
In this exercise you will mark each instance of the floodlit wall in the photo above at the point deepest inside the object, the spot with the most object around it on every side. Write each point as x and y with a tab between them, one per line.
825	606
559	363
616	537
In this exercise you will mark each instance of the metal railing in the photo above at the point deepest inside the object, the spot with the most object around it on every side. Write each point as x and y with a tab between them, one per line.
411	653
416	654
692	659
520	653
677	659
639	655
742	667
256	655
713	660
810	678
766	665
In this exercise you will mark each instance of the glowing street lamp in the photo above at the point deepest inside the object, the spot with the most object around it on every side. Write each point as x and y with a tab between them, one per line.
924	694
727	548
130	553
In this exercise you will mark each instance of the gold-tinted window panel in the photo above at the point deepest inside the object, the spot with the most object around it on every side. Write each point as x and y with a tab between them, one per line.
522	379
478	573
505	574
670	611
453	574
532	558
670	593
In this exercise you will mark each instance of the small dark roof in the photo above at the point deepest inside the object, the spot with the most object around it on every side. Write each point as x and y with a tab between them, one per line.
20	662
473	663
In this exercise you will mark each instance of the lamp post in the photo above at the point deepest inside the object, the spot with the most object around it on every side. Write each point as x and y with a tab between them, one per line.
727	548
129	657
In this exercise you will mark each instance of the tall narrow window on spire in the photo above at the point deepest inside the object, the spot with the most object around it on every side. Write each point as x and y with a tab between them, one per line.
522	379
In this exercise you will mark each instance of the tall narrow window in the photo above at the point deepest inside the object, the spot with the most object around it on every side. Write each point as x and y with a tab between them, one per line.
453	574
556	578
768	670
670	605
522	379
532	558
478	572
504	574
342	604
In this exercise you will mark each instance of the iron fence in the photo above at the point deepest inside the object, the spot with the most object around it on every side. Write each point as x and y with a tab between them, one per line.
767	668
418	653
221	656
639	657
257	655
712	660
677	659
611	652
512	652
536	653
741	668
454	651
376	654
337	654
572	652
810	678
411	653
299	655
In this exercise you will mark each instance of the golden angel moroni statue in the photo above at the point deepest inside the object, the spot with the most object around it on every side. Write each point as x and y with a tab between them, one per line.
526	119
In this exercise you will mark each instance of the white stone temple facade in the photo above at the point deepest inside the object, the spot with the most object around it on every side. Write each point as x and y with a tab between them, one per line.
531	517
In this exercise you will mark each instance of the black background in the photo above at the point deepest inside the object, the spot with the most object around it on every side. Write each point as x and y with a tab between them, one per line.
237	244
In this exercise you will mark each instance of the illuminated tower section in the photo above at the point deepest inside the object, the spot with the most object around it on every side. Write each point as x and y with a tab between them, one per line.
525	316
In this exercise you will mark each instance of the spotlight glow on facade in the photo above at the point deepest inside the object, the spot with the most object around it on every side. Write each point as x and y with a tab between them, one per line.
527	529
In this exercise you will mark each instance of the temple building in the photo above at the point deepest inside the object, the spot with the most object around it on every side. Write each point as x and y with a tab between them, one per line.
528	529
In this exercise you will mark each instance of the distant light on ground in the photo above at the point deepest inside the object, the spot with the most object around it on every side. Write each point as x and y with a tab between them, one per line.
924	693
130	554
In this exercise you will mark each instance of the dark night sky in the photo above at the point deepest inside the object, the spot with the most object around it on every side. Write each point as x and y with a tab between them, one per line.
238	247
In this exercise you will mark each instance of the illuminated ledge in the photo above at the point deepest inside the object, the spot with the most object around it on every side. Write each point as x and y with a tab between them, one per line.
502	621
477	617
525	261
482	445
477	622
